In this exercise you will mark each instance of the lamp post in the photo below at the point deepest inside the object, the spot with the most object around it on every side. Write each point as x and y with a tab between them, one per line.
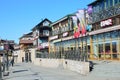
6	47
1	49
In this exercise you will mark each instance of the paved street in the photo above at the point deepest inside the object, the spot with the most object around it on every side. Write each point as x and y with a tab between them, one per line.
28	71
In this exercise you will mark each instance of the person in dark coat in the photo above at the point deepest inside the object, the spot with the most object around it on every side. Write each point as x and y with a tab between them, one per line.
12	61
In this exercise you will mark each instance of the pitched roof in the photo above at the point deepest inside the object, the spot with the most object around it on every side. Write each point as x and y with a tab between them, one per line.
39	24
27	35
63	18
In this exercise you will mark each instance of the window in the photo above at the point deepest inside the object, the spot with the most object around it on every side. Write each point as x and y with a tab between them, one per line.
101	5
116	1
107	36
46	32
38	54
114	34
107	48
114	48
100	47
46	23
107	4
100	37
111	2
94	37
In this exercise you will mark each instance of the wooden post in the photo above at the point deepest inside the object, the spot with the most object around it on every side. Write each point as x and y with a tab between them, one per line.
91	48
111	52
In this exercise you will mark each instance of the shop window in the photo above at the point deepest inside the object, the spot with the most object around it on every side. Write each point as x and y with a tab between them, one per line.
107	48
107	4
100	47
111	2
100	37
38	55
101	5
116	2
88	49
114	48
114	34
107	36
94	37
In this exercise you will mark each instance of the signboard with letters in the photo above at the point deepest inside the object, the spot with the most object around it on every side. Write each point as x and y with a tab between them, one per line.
105	23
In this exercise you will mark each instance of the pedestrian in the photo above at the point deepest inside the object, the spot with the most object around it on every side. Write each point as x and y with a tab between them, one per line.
12	61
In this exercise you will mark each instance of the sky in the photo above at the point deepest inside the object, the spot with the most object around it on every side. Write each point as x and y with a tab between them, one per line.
18	17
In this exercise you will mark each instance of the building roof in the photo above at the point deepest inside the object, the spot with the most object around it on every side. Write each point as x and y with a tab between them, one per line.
94	2
27	35
39	24
63	18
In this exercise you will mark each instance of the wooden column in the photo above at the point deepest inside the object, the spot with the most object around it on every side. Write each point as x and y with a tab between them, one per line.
91	48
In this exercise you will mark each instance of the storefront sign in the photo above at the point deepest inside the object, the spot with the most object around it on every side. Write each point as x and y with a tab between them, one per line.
58	40
68	38
107	22
65	34
53	37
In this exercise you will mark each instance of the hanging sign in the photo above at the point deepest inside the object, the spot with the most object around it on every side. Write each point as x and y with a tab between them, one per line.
107	22
65	34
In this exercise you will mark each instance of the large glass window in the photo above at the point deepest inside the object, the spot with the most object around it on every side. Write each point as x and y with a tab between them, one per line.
101	5
114	50
114	34
114	47
100	37
100	47
94	38
116	1
107	3
107	36
107	48
111	2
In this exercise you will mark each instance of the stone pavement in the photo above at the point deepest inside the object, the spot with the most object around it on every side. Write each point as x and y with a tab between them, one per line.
28	71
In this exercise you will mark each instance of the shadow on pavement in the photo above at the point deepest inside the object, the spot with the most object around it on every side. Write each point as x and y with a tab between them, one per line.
19	71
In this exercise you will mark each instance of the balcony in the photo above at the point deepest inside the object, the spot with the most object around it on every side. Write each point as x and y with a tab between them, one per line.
26	41
43	35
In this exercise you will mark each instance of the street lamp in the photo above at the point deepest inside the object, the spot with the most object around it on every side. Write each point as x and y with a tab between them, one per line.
1	49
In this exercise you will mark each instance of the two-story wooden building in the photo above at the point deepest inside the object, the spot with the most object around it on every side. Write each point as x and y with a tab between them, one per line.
63	43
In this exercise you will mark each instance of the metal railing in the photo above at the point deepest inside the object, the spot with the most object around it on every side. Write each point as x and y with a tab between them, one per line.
70	54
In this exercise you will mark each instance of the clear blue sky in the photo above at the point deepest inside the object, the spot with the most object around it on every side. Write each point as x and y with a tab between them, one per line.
20	16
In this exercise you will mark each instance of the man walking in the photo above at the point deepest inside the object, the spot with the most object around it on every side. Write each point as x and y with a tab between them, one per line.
12	61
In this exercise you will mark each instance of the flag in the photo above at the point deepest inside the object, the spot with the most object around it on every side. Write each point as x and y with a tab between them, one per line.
81	16
75	20
89	10
89	27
